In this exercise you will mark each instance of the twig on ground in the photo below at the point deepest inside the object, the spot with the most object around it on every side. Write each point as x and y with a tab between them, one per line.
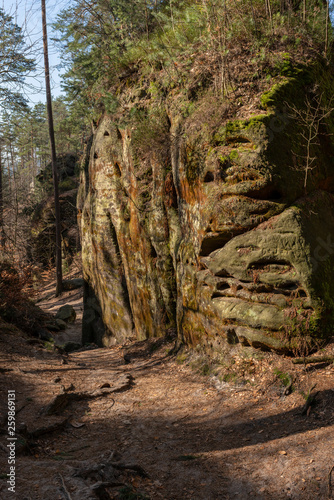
67	494
20	409
110	406
315	359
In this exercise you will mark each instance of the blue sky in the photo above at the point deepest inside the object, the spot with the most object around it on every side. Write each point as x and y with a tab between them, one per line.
27	14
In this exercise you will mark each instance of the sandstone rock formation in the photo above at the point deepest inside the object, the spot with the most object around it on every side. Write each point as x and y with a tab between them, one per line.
217	230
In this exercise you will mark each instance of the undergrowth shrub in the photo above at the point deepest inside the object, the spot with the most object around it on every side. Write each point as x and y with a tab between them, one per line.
302	334
16	294
14	284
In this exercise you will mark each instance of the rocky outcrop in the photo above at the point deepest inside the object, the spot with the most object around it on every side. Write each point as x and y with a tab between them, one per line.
223	232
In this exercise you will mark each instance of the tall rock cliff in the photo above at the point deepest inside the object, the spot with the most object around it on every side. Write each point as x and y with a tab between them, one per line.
213	215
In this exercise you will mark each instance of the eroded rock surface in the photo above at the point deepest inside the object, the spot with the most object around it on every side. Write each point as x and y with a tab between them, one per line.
222	234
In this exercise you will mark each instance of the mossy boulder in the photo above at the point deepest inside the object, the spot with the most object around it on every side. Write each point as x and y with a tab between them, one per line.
66	313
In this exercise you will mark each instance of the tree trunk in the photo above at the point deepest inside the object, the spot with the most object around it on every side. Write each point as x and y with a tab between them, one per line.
33	171
327	26
2	237
16	199
269	13
172	14
146	20
53	154
304	11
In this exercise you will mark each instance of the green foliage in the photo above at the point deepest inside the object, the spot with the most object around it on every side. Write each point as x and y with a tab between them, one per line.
95	40
230	377
67	184
49	345
14	61
206	369
284	377
306	395
112	46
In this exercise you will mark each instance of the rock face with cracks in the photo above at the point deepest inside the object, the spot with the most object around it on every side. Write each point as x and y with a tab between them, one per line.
226	236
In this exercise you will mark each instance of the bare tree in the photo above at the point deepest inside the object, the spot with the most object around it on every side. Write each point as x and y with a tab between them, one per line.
310	118
53	154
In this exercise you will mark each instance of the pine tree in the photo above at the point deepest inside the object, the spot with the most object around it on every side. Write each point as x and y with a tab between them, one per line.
95	37
14	66
14	60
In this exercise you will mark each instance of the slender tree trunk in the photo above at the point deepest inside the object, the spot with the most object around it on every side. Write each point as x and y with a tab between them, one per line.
269	13
11	179
2	237
254	16
33	171
304	11
327	25
222	40
146	20
15	193
53	153
172	13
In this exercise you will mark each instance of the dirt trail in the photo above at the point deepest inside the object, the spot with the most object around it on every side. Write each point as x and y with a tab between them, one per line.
133	422
50	304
